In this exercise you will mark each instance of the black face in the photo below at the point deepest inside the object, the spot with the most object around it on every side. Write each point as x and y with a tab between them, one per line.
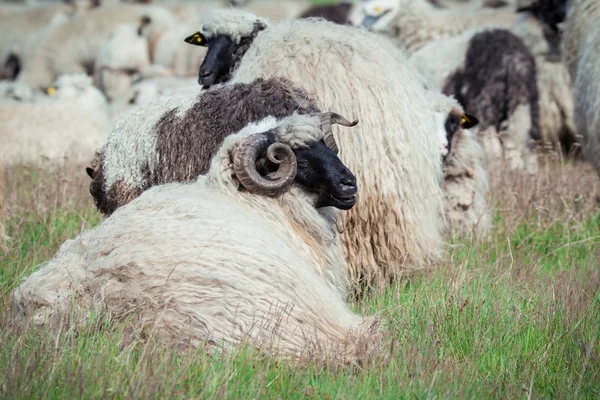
556	11
218	60
12	67
322	173
453	122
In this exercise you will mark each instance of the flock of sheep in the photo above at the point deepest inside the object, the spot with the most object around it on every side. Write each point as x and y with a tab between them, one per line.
255	168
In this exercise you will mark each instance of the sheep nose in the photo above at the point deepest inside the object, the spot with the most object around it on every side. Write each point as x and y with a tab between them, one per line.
347	185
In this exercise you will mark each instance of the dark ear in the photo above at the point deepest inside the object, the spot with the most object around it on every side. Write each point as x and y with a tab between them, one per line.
90	172
468	121
197	39
12	66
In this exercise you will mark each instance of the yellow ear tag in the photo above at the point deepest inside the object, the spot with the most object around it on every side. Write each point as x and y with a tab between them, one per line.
464	119
197	38
378	10
51	91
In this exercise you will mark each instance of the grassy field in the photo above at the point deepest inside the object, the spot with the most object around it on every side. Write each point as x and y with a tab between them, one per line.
516	315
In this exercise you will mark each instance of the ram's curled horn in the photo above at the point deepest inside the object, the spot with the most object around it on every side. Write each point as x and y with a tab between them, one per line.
244	165
328	119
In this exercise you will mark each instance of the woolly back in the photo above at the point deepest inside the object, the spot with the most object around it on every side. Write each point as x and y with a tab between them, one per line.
581	16
396	223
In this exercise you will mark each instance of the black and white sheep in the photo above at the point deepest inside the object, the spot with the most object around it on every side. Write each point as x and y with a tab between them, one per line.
214	267
492	74
173	138
397	226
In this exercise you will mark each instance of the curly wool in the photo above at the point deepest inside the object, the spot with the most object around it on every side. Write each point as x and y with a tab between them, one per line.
582	55
174	137
465	180
251	269
235	24
396	225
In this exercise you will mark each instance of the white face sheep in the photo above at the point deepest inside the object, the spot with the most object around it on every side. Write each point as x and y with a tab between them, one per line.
396	227
221	262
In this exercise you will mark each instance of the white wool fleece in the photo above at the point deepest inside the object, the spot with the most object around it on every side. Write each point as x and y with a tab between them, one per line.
231	22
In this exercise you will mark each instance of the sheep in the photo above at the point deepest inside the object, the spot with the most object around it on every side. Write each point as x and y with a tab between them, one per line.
396	227
164	33
173	138
338	13
213	266
492	74
274	11
582	55
73	46
413	23
465	180
537	26
123	54
72	123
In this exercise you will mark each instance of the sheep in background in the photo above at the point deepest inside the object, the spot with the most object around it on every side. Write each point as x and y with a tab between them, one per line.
71	124
465	180
213	266
165	34
123	54
174	138
492	74
582	56
73	46
338	13
397	225
413	23
537	26
274	11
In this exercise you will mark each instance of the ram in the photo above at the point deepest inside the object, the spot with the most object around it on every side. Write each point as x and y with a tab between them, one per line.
71	124
397	224
173	138
492	74
244	254
582	56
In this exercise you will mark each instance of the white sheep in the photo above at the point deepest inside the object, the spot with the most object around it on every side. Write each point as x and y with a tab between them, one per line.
582	55
71	124
73	46
397	224
165	34
412	23
212	266
123	54
465	180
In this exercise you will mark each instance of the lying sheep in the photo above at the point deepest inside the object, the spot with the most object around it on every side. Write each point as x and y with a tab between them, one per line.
492	74
397	225
465	180
413	23
3	236
174	138
123	54
73	46
582	55
236	257
72	123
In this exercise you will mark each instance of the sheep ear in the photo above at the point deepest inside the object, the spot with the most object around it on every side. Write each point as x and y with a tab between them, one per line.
90	172
197	39
468	121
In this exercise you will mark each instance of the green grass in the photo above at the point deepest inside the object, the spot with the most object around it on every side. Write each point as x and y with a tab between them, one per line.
514	316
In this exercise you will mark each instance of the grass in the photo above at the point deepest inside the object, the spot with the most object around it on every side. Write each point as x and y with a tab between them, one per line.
516	315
